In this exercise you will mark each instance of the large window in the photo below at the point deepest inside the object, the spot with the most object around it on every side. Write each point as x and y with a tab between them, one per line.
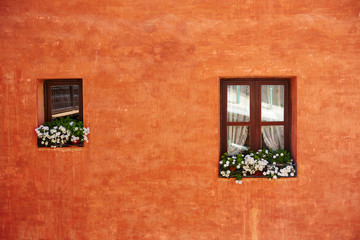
63	97
255	113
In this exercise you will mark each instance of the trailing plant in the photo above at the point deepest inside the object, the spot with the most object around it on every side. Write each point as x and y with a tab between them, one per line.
62	131
272	164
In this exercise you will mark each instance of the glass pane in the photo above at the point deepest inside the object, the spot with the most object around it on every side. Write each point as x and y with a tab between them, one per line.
64	101
237	139
272	137
272	103
238	103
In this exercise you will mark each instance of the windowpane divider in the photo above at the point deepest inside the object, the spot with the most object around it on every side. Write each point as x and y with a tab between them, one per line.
238	124
272	123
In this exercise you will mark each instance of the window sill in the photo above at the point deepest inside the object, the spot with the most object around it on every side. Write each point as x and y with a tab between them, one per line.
253	180
60	149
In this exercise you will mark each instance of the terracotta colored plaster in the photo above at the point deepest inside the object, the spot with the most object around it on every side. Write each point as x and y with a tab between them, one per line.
150	73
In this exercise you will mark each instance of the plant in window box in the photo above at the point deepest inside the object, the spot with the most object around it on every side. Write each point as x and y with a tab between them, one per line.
61	132
272	164
78	132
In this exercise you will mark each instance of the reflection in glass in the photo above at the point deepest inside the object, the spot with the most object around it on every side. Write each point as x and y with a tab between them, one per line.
272	137
237	139
65	101
238	103
272	103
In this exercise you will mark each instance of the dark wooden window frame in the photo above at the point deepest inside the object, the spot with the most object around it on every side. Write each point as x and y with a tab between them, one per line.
255	122
60	82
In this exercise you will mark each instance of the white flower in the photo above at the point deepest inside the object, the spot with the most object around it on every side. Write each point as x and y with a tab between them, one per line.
221	162
274	177
228	172
238	181
281	154
292	174
86	131
274	156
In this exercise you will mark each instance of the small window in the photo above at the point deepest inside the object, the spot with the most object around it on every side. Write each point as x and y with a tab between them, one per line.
255	114
63	97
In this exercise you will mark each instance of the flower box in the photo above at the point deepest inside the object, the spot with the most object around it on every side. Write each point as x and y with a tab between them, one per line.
62	132
272	164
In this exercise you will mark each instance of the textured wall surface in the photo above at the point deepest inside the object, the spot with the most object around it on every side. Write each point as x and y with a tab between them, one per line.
150	73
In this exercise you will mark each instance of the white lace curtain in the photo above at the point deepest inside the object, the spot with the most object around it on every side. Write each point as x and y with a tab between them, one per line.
237	136
273	136
272	101
238	111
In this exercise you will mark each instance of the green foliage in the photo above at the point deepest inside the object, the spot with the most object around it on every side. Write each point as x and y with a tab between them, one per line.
74	126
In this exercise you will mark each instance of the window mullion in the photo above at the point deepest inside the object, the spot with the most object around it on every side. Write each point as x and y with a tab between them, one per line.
258	115
254	128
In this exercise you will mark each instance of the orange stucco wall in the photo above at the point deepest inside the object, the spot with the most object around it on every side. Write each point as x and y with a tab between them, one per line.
150	73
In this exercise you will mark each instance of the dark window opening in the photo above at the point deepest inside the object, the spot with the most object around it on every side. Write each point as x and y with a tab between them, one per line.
63	97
